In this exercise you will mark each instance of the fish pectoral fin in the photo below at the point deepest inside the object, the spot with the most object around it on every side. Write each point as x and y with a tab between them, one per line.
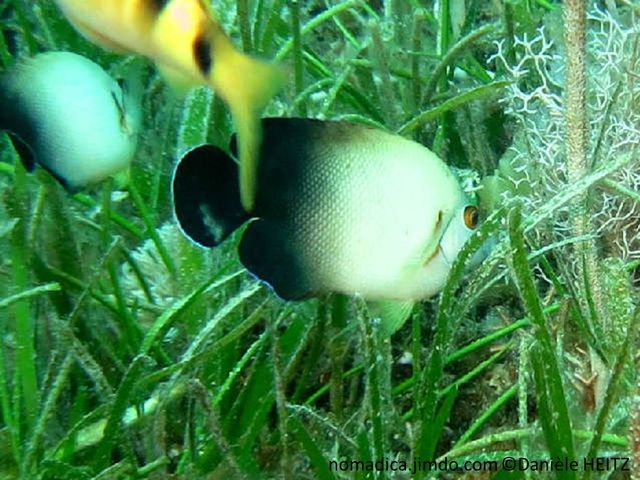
246	85
420	257
422	254
266	252
392	313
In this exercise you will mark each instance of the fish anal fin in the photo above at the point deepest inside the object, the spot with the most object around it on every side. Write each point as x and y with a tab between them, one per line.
392	313
266	253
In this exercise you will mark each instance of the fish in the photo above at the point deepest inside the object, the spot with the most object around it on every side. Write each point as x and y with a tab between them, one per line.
189	47
340	208
65	113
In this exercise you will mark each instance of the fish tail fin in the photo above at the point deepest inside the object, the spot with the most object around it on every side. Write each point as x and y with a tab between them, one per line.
206	198
247	85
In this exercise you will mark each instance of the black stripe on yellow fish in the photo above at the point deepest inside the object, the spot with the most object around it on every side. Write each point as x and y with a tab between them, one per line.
158	5
339	208
203	54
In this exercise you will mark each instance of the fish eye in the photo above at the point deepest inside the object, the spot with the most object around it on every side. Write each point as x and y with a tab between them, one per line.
470	216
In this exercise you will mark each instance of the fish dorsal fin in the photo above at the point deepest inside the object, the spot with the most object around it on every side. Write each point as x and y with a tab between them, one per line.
206	199
392	313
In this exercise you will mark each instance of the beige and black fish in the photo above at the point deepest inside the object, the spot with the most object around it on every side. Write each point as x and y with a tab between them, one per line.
339	208
67	114
187	43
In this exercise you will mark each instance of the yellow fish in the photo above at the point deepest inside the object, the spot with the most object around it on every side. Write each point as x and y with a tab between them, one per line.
188	45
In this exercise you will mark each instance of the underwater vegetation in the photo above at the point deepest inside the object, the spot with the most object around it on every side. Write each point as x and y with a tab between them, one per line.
127	351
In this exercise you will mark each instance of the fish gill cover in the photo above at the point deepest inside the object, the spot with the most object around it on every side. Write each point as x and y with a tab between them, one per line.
127	351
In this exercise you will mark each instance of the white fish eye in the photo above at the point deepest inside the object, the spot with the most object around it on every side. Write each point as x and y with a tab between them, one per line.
470	216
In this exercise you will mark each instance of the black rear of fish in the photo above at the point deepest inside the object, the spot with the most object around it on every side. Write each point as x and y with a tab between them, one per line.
207	203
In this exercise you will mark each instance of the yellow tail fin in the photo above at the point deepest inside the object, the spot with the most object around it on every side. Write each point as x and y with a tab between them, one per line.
246	85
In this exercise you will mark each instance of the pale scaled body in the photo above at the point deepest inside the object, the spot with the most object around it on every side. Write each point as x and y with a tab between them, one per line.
380	225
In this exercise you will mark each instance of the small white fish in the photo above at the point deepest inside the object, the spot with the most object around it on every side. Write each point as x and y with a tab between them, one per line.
66	113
